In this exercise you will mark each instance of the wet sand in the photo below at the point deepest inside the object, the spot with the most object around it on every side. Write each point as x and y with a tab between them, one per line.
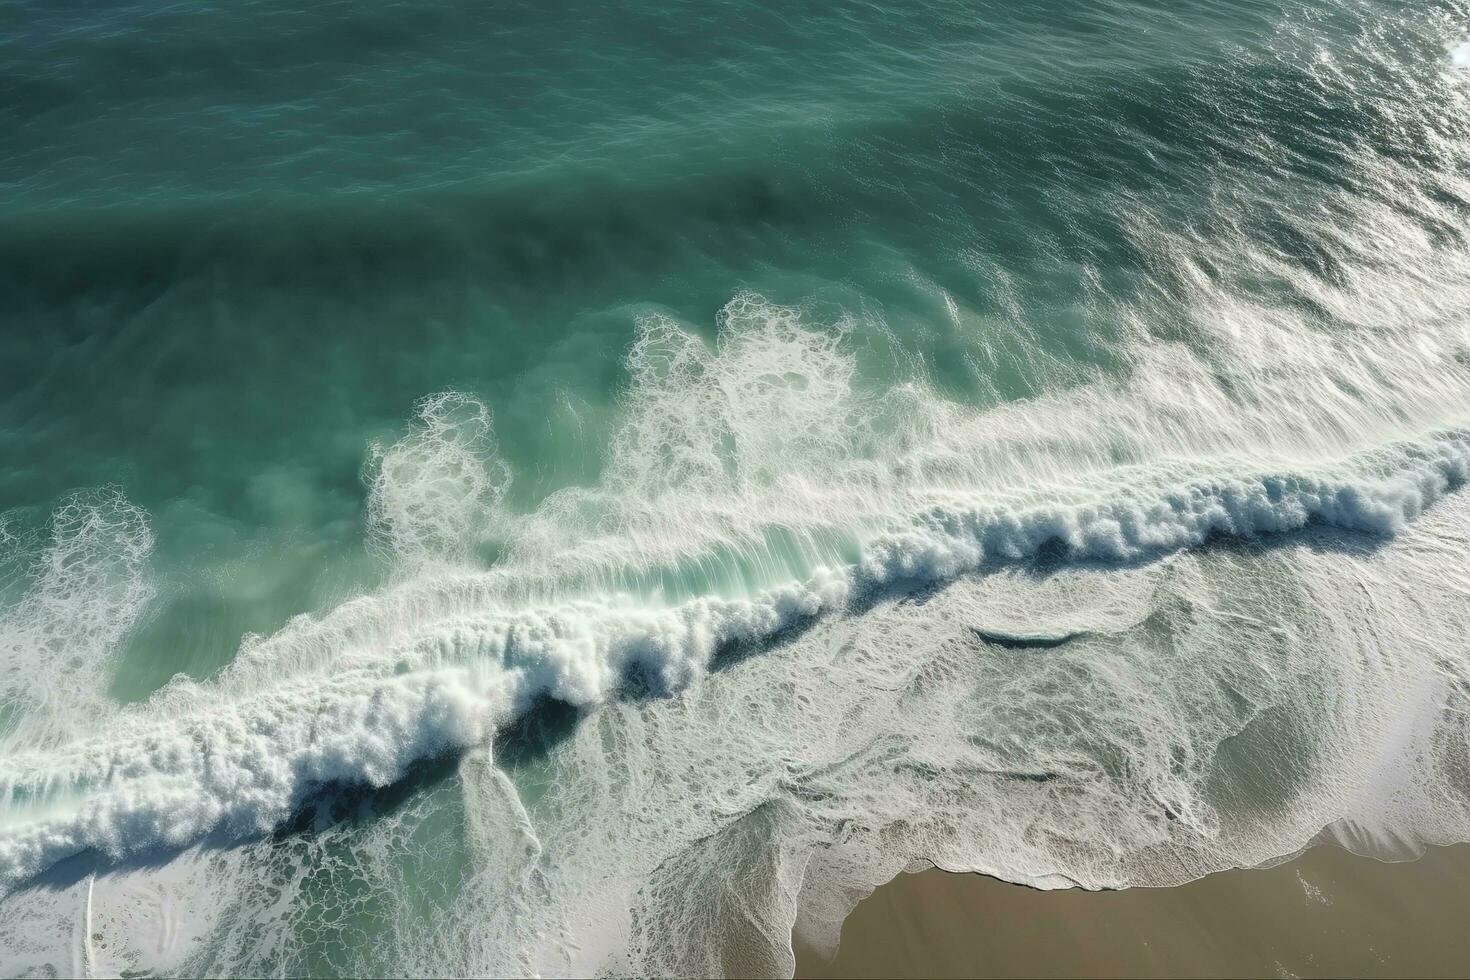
1328	913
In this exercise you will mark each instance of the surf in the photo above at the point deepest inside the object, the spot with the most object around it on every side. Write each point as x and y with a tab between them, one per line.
443	662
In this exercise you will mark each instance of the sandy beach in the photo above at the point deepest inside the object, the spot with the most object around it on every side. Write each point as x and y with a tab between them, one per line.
1327	913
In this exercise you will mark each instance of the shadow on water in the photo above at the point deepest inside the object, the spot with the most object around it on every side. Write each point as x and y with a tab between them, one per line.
325	808
341	805
533	736
1054	557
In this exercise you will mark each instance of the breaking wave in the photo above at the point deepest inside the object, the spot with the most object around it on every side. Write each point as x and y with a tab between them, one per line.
1191	599
449	657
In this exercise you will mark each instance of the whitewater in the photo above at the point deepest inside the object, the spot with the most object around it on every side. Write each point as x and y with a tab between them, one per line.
858	583
706	569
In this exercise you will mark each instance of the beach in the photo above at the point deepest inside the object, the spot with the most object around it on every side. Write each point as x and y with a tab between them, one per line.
1327	913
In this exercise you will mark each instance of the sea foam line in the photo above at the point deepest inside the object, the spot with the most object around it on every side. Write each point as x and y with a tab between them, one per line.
202	759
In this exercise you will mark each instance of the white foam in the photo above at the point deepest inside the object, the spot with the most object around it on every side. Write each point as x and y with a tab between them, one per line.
203	758
435	493
919	490
792	492
88	588
1460	56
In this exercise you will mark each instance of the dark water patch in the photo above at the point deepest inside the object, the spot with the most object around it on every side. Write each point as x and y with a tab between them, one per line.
1027	641
548	723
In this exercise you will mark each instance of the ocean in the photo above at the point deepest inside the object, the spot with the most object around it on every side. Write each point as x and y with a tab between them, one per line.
565	488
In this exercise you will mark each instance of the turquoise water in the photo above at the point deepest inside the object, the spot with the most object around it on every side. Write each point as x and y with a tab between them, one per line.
512	489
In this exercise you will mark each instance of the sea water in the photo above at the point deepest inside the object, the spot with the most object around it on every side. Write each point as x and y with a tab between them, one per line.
565	488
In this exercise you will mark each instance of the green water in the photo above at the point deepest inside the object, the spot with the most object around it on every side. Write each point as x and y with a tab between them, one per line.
734	296
241	244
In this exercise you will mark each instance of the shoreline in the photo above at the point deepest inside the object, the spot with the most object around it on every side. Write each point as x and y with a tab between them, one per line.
1326	912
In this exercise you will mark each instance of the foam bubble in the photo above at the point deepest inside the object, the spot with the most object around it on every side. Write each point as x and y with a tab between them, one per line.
435	494
87	588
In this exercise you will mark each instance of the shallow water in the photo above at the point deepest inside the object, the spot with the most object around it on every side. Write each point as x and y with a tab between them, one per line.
556	490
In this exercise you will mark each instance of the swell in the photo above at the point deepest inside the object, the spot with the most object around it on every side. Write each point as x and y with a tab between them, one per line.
442	672
1031	146
514	226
